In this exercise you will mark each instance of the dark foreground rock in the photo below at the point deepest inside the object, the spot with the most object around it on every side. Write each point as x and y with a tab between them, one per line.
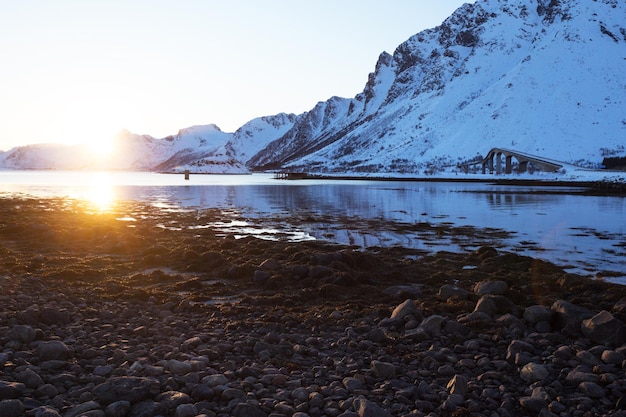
164	319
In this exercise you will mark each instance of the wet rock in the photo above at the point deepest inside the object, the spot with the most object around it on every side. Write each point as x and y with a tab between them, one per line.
604	328
53	350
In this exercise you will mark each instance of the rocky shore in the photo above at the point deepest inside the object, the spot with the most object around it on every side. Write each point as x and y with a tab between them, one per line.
141	311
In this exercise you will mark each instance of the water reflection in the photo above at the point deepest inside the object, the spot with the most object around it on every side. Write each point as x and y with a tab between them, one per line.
100	192
586	233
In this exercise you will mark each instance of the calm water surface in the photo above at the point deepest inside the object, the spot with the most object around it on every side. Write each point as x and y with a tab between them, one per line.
585	234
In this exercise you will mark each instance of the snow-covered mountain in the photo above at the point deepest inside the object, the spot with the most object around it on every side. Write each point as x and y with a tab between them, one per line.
540	76
544	77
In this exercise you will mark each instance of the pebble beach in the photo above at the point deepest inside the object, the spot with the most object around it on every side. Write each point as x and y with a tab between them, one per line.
138	312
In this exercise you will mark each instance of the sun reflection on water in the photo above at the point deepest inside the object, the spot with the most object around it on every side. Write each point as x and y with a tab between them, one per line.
101	192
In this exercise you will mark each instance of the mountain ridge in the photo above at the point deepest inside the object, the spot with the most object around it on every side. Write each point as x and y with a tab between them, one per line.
539	76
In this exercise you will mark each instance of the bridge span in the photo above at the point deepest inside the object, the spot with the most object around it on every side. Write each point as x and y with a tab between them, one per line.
494	162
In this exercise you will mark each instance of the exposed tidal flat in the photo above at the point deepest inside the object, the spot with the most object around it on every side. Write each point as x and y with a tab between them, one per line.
139	310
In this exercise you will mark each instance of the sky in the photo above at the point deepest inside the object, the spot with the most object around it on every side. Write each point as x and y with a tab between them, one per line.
79	71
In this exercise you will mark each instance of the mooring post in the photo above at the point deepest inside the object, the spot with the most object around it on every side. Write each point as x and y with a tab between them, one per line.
186	174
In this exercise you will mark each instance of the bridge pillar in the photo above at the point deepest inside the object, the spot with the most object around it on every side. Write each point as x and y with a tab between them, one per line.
498	163
507	164
523	166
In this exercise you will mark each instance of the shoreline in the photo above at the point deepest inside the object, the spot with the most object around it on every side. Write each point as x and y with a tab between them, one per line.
138	313
594	187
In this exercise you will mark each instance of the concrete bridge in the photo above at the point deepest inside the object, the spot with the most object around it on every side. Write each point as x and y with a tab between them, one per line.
494	162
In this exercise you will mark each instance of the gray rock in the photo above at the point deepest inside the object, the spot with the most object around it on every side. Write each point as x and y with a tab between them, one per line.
404	291
126	388
491	288
457	386
532	372
248	410
407	308
11	390
495	305
179	367
82	409
383	369
271	264
11	408
433	324
366	408
186	410
47	411
117	409
376	335
53	350
215	380
453	292
612	357
147	408
603	328
30	378
533	404
577	376
352	384
23	333
538	313
172	399
568	317
591	389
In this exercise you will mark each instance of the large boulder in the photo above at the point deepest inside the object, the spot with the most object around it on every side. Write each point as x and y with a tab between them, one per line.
568	317
604	328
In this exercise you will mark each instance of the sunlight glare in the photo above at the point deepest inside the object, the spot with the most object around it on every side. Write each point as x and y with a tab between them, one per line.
101	193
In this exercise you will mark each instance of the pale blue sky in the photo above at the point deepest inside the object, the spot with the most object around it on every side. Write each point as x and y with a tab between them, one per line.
81	70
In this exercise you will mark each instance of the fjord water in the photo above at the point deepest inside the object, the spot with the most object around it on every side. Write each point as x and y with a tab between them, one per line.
586	234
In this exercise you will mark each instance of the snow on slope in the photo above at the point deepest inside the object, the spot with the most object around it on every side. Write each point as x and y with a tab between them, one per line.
542	77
